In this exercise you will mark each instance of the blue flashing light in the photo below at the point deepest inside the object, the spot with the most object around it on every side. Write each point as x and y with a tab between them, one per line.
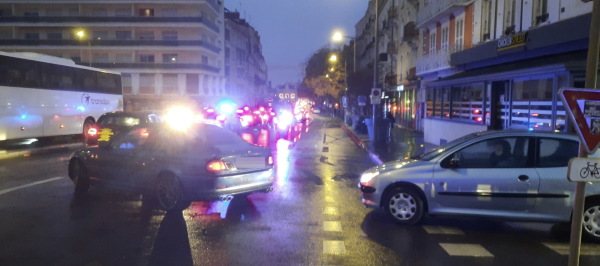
23	116
530	129
81	108
226	107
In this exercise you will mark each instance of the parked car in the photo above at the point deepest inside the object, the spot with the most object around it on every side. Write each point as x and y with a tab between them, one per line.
501	174
174	167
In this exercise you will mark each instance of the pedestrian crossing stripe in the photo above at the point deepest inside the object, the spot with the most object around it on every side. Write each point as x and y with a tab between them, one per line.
563	249
466	250
442	230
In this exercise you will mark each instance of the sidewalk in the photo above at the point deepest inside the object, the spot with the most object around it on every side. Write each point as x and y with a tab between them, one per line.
401	143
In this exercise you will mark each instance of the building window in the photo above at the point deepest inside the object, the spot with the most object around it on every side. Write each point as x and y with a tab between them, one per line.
445	103
31	13
532	104
5	12
73	12
467	103
445	37
123	12
147	82
192	83
146	12
458	39
146	35
124	58
170	84
32	36
204	60
99	12
100	58
100	35
540	11
169	35
510	7
55	36
432	41
487	18
168	12
123	35
170	58
126	82
147	58
53	12
227	34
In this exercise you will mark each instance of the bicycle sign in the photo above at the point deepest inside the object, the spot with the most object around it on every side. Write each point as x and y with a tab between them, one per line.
584	170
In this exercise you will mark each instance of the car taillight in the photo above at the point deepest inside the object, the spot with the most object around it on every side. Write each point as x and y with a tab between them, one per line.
270	160
92	132
215	166
239	111
144	133
272	114
247	118
221	118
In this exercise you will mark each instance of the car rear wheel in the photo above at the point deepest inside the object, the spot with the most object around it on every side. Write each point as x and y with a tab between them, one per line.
80	177
170	194
404	206
591	221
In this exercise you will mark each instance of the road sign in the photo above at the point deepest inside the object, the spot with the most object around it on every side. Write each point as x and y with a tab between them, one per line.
344	101
375	96
583	107
584	170
362	100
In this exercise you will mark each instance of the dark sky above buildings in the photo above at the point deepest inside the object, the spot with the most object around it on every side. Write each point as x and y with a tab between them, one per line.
292	30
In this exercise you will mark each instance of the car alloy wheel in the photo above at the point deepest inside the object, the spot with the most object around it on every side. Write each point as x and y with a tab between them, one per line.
591	221
403	206
169	193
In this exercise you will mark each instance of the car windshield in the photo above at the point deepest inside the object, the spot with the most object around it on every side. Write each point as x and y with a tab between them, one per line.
120	121
437	151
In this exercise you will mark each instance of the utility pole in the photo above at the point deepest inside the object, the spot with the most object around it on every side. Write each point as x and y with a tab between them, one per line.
375	63
590	83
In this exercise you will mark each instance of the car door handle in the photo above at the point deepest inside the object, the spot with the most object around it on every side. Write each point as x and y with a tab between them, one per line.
523	178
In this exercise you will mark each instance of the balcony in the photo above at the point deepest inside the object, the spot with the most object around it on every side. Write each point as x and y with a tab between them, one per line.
109	20
435	10
214	5
153	66
411	34
437	60
169	43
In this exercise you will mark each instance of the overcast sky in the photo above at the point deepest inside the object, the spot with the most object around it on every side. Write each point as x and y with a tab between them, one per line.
292	30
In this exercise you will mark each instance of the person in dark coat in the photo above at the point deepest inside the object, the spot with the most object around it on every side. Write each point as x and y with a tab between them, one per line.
390	117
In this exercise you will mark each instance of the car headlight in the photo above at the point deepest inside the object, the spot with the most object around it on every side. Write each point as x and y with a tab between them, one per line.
366	177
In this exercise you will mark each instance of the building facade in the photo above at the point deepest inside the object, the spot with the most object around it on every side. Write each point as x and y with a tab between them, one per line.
498	64
245	66
168	52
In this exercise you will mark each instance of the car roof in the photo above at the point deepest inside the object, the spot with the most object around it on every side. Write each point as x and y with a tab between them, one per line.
491	133
125	114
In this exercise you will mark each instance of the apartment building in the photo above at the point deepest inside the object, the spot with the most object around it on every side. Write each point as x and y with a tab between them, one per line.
168	52
245	66
498	64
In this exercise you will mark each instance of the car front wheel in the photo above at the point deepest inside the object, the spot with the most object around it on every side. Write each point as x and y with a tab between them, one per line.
404	206
591	221
170	194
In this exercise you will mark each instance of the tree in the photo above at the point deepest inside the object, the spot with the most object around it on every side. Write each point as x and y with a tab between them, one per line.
322	86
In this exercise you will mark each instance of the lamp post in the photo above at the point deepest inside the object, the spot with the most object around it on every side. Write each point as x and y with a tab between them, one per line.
338	36
81	34
375	63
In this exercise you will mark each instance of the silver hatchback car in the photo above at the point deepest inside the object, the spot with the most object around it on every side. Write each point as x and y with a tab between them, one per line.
503	174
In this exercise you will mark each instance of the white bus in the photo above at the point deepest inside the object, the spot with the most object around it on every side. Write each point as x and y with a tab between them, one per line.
45	96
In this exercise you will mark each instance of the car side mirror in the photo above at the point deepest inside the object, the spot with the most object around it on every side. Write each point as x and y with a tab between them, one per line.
454	163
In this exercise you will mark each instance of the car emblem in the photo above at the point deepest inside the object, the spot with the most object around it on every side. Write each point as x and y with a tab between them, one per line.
249	152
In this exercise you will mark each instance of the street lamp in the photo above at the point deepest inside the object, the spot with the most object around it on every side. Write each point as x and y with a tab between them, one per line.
338	36
81	35
333	58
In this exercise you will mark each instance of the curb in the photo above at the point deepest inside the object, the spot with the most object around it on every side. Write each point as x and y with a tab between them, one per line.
46	150
374	157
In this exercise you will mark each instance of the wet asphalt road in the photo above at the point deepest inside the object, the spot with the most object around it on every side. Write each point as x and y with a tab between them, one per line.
314	216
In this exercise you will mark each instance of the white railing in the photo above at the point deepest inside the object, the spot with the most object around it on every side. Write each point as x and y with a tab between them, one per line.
437	60
434	7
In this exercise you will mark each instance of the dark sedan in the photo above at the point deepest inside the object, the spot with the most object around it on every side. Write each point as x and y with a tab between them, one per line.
110	124
175	167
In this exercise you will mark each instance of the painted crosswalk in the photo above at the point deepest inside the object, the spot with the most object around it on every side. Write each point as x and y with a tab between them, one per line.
333	247
332	226
563	249
442	230
466	250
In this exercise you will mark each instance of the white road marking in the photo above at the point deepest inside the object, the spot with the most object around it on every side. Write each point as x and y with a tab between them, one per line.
28	185
468	250
442	230
332	226
563	249
330	210
333	247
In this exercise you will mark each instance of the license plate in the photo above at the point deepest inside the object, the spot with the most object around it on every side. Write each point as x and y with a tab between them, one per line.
243	181
250	162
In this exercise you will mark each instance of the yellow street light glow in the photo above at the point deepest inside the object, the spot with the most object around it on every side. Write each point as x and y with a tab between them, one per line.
327	75
337	36
80	33
332	69
333	58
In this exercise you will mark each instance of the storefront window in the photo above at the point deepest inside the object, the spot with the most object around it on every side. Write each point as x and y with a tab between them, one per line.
456	102
467	103
562	81
437	106
488	101
532	104
430	98
476	110
445	103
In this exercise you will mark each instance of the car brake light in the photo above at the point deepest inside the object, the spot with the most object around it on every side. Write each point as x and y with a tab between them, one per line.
92	132
239	111
221	118
272	114
270	160
215	166
246	108
257	112
144	133
262	109
210	110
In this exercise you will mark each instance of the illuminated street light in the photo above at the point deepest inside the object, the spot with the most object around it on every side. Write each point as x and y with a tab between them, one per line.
331	69
337	36
333	58
80	33
327	75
